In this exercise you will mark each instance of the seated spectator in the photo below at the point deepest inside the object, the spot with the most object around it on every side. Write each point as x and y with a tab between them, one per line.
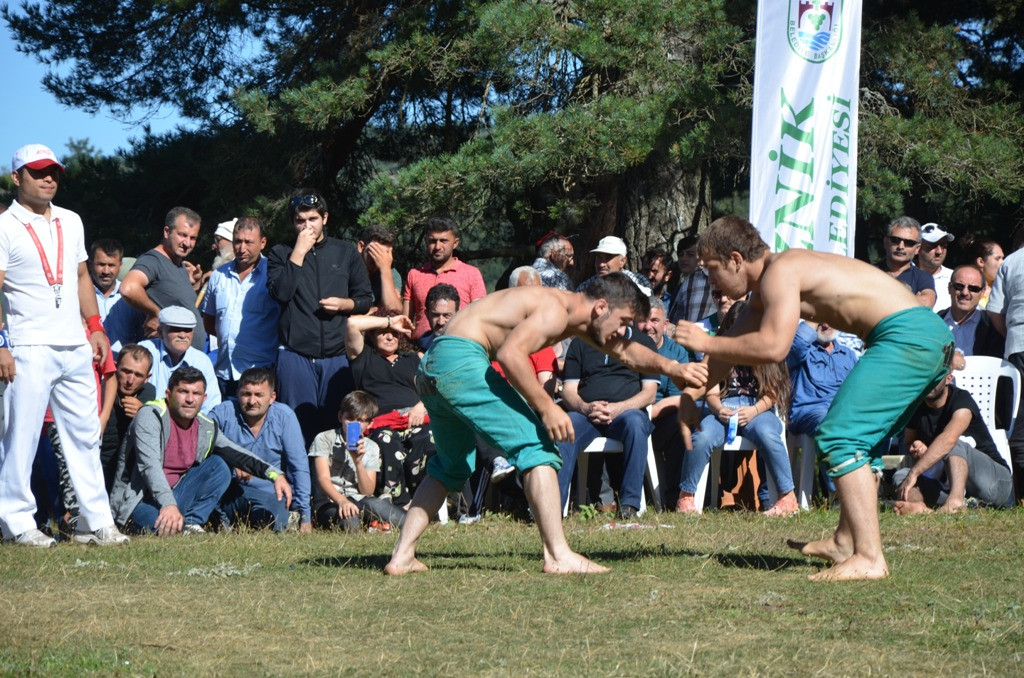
973	470
610	257
555	256
172	349
442	304
901	243
749	394
343	491
711	323
605	398
377	249
692	301
176	464
134	364
270	431
659	269
934	248
817	368
972	327
987	255
667	438
384	364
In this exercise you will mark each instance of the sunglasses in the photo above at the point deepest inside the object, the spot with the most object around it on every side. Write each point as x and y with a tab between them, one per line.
303	201
905	241
959	287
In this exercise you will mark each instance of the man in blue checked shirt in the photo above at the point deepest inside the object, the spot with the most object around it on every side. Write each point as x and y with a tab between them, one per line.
238	309
270	431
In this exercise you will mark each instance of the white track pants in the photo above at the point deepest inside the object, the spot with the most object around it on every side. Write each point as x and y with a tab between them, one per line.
63	378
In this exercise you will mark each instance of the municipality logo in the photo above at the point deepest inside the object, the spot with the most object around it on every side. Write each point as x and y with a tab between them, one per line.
815	28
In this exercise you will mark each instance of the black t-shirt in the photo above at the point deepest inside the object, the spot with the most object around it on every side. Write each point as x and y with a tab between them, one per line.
602	377
391	383
929	422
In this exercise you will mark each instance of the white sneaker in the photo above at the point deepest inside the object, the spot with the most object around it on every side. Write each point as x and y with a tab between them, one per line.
34	537
193	529
500	469
105	536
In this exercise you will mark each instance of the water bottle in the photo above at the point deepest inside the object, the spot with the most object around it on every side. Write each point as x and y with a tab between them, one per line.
734	423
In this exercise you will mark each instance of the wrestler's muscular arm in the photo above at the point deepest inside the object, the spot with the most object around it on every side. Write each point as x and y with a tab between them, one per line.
529	336
639	358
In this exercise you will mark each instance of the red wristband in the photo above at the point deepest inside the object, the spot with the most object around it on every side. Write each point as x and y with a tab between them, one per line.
94	324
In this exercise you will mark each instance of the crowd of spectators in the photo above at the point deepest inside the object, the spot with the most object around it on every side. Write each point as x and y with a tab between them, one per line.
279	390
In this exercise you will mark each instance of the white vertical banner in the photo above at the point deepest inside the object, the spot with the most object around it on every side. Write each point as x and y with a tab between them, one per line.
803	161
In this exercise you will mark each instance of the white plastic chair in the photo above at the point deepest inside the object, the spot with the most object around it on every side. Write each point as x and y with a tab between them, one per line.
808	467
980	378
601	444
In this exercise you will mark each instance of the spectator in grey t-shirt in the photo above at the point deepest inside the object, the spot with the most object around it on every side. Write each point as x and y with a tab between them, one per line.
161	277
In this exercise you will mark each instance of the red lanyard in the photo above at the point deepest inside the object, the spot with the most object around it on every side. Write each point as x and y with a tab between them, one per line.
55	283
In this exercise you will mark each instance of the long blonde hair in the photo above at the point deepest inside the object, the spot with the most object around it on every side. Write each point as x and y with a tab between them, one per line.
772	378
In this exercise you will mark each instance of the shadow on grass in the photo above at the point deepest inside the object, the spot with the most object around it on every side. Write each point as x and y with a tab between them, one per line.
757	561
501	562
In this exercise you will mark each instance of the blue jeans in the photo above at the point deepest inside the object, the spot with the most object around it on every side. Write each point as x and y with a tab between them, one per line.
254	506
197	494
764	432
631	428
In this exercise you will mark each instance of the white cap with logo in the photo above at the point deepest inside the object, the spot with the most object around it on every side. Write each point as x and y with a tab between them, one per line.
34	156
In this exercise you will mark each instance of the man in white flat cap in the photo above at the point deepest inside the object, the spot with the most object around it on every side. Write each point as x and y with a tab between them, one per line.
172	349
610	257
45	356
934	248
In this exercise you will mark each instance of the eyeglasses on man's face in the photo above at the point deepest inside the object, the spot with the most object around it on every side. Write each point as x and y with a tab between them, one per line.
959	287
906	242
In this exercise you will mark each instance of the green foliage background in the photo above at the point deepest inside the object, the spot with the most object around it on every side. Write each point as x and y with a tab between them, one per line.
516	117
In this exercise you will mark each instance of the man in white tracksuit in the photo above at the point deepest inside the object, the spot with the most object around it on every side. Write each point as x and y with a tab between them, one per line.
45	358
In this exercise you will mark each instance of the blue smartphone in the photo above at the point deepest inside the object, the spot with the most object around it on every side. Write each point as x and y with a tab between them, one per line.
353	432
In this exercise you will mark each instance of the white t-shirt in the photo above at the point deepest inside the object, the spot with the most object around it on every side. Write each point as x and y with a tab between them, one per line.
33	317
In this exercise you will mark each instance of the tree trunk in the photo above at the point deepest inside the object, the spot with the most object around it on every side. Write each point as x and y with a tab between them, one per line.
660	202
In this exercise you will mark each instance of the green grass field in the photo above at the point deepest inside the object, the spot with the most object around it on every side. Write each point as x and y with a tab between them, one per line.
717	595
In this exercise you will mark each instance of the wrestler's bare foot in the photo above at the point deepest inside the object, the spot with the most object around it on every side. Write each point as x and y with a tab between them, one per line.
829	549
573	563
785	506
854	568
405	567
907	508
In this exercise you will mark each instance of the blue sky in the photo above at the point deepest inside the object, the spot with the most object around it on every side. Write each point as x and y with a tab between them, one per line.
31	115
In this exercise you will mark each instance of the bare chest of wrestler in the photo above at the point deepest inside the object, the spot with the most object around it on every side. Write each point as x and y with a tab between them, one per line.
489	321
847	293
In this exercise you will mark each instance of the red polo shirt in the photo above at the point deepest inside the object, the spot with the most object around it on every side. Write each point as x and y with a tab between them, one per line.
464	277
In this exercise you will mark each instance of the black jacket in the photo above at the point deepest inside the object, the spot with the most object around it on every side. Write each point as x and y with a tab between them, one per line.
331	269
